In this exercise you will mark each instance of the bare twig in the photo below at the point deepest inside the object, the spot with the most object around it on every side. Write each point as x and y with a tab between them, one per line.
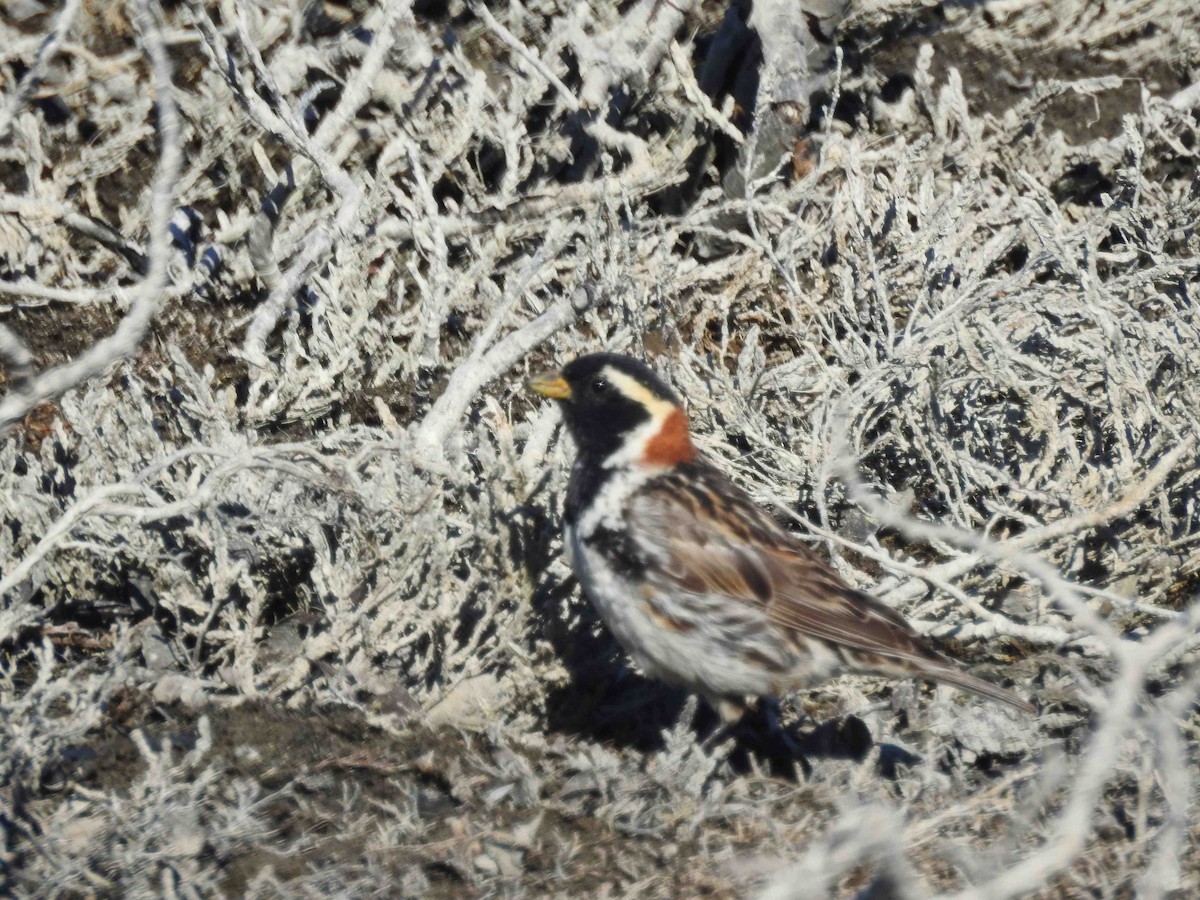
481	368
128	336
18	360
319	243
633	49
46	53
532	59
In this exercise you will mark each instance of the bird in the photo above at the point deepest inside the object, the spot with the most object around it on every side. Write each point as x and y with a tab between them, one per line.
700	585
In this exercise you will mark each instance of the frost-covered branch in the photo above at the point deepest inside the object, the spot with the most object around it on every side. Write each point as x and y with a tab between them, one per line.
632	50
132	328
18	359
33	76
318	243
481	368
317	500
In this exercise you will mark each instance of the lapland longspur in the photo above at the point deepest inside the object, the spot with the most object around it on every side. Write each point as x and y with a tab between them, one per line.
700	585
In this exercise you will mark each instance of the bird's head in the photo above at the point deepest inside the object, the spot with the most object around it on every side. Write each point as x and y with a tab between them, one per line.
619	412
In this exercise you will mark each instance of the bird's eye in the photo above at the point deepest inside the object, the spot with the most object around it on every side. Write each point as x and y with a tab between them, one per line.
599	385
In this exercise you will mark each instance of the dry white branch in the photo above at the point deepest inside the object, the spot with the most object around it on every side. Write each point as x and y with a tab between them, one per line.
80	296
1069	834
31	79
1074	824
477	371
797	39
1185	99
369	525
18	360
132	328
319	242
565	96
632	50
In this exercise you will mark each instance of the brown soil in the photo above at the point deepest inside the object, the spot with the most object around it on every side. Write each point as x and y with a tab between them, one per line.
307	763
994	84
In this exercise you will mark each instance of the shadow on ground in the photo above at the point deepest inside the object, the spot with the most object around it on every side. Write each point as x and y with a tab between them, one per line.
607	702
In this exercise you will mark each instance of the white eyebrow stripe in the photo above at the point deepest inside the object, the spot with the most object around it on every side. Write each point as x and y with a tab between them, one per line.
658	408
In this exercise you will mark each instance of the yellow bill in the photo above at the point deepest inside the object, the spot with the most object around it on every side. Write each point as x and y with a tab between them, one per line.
549	384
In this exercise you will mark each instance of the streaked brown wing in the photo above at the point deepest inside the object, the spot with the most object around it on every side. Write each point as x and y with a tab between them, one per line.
752	560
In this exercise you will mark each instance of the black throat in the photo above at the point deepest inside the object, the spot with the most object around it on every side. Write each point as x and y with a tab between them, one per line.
588	476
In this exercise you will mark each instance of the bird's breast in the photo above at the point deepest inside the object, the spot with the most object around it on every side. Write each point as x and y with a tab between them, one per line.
687	640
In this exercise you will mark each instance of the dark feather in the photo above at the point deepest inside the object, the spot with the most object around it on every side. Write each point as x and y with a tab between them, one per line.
732	547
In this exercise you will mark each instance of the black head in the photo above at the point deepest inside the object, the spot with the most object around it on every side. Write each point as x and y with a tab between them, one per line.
605	397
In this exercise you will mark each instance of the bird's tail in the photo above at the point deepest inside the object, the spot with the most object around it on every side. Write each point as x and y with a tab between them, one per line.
959	679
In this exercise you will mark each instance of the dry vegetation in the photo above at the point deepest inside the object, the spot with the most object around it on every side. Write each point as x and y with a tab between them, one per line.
282	610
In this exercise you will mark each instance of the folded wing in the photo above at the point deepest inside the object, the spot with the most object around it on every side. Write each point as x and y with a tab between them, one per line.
732	548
